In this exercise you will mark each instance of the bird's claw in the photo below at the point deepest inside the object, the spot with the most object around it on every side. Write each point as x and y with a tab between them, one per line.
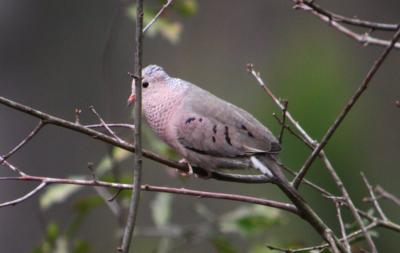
190	171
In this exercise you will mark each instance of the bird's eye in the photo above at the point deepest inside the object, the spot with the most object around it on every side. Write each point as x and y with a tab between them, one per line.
145	84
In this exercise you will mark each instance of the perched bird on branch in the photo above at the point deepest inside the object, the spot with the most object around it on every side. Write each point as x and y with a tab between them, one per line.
207	131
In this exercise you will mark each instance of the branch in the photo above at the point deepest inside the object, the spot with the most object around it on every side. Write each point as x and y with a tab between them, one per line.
351	21
34	132
87	130
325	16
361	89
165	6
14	202
373	198
342	225
351	237
137	169
387	195
151	188
104	124
111	125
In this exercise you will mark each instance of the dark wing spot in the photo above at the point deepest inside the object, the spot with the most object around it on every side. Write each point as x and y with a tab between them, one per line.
227	138
275	147
213	139
247	130
215	129
190	120
200	119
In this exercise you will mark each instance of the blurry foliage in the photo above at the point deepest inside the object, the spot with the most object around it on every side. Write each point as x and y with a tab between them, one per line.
166	25
250	220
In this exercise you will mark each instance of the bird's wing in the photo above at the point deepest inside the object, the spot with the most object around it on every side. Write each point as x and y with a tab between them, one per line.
212	126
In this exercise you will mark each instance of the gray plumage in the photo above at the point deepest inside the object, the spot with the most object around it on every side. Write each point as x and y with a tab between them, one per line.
206	130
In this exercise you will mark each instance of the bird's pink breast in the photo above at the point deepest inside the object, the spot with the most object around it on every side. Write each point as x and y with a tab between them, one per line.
158	110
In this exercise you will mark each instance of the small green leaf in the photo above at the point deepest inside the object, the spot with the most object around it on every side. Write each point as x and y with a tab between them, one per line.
260	249
56	194
170	30
86	204
81	247
222	245
250	220
186	7
161	209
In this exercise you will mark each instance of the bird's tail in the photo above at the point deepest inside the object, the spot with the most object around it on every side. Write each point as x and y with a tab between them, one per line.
271	168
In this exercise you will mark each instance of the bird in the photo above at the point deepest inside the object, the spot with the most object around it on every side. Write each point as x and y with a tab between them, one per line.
207	131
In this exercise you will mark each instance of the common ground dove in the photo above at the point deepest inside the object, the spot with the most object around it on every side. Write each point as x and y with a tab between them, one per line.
206	130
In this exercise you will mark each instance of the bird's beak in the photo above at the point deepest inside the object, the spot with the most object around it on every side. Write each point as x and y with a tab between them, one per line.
131	100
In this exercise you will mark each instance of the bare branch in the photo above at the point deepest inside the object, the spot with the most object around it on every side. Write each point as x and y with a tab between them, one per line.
26	196
25	140
374	200
115	125
351	21
165	6
120	186
12	167
342	226
364	39
285	107
137	168
104	124
387	195
351	237
364	85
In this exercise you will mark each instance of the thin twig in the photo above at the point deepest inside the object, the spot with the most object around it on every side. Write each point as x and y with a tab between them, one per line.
285	107
11	166
364	85
137	168
26	196
351	237
120	186
351	21
104	124
364	39
25	140
374	200
165	6
115	125
342	226
387	195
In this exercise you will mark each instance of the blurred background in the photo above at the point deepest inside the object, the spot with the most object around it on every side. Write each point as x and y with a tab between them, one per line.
60	55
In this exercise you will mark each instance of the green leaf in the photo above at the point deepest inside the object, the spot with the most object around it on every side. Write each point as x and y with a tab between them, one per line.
222	245
186	7
170	30
260	249
161	209
250	220
56	194
86	204
81	247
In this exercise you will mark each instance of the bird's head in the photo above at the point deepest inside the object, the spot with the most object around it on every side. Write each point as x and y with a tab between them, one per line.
153	78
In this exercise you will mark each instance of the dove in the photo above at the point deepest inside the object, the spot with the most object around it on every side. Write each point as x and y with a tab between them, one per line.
205	130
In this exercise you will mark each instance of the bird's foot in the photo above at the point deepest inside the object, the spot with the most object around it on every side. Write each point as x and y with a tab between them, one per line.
190	171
